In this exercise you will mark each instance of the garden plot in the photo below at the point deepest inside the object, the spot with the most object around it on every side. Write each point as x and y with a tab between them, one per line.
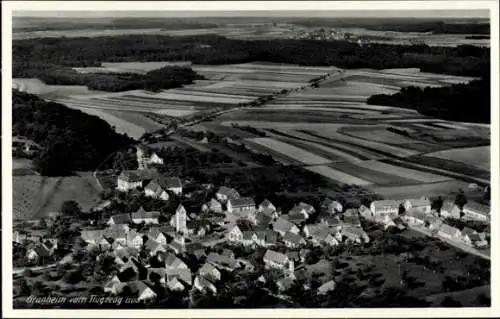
290	151
406	173
337	176
475	156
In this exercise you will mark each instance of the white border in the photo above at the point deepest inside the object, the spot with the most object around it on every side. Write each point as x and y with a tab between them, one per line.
10	6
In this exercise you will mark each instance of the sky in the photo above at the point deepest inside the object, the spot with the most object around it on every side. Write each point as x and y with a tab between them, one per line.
334	14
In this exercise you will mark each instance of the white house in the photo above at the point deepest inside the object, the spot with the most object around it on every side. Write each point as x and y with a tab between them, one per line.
385	207
450	210
128	180
225	193
418	204
475	211
274	259
242	205
141	216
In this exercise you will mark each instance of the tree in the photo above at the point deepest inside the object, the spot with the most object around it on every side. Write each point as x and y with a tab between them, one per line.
450	302
460	199
70	208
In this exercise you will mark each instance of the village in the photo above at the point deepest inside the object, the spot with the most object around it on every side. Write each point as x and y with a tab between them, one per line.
152	254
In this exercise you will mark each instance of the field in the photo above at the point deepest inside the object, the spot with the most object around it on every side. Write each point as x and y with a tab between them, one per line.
35	196
475	156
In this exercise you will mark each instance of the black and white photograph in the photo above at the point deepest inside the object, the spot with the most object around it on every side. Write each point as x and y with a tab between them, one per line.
332	158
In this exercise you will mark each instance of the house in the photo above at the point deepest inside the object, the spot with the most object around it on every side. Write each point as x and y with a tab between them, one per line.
262	219
145	156
175	285
141	216
478	240
157	235
19	236
266	205
123	255
419	204
449	232
154	190
225	193
326	287
241	206
475	211
294	255
111	285
296	218
228	253
203	285
215	206
179	220
38	253
432	222
143	291
172	261
105	243
467	233
184	275
450	210
302	208
178	245
119	219
101	206
352	219
236	233
134	239
118	233
385	207
172	184
245	264
209	272
330	206
355	234
154	247
292	240
274	259
365	212
222	261
128	180
283	226
319	234
414	217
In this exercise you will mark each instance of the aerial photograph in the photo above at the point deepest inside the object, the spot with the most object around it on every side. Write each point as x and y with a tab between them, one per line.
250	159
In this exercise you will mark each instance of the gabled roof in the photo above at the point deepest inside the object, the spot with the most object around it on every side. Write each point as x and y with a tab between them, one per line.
350	231
386	204
162	272
448	205
142	214
248	234
152	245
293	255
282	225
204	282
292	238
468	231
263	218
306	206
120	218
214	203
295	217
132	235
184	274
176	245
415	213
91	235
419	202
230	193
42	251
139	287
170	182
243	202
266	204
180	209
328	286
208	268
477	208
276	257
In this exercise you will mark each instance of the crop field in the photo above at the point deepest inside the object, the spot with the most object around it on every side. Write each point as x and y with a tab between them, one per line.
35	196
337	175
475	156
403	172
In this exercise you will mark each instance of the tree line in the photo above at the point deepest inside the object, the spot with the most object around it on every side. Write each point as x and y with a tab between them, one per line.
460	102
71	140
212	49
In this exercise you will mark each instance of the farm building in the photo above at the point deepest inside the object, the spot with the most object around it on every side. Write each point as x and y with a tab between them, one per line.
235	233
302	208
128	180
274	259
141	216
242	205
475	211
282	226
331	206
145	157
224	193
215	206
266	205
292	240
119	219
385	207
421	204
414	217
449	232
154	190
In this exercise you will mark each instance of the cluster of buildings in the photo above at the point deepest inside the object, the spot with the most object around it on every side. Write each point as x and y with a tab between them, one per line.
417	213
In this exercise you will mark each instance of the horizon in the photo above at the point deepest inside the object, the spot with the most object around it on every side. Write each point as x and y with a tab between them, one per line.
410	14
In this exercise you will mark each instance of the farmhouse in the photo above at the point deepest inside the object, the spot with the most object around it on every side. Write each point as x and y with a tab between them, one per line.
141	216
292	240
184	275
172	262
274	259
172	184
331	221
224	193
92	236
385	207
134	239
266	205
331	206
209	272
154	247
243	205
157	235
449	209
178	245
282	226
145	156
475	211
203	285
420	204
154	190
414	217
128	180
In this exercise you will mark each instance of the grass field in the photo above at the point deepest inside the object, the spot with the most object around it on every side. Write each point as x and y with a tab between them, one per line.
474	156
35	196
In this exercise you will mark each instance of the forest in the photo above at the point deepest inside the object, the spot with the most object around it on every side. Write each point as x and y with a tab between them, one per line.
35	56
70	139
459	102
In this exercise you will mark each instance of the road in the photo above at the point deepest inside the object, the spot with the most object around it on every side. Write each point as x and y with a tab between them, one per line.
17	271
